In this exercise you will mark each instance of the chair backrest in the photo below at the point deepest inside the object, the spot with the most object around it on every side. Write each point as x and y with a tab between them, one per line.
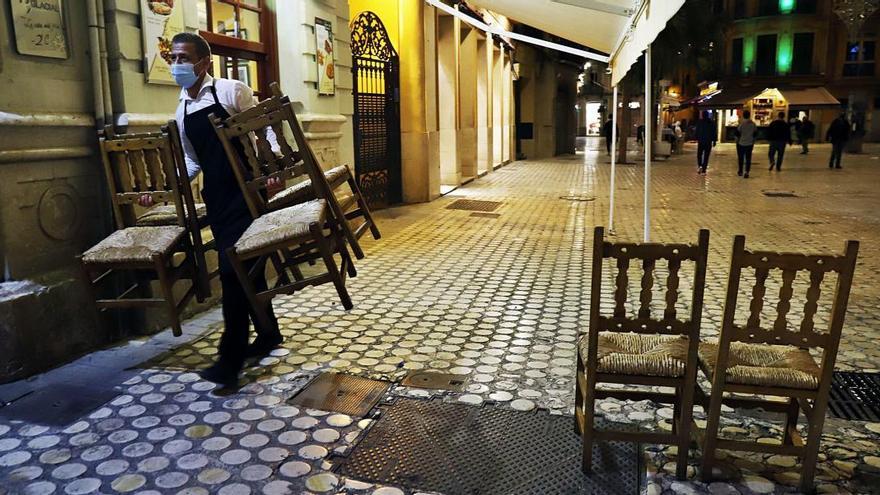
138	164
249	151
186	192
649	254
808	274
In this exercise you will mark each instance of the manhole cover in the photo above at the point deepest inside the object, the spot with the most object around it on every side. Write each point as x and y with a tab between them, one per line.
459	449
436	381
346	394
780	194
57	405
855	396
578	198
474	205
478	214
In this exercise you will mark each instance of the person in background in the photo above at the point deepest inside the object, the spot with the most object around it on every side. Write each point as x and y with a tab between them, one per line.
606	133
806	133
707	137
745	143
838	134
678	134
794	127
640	135
778	133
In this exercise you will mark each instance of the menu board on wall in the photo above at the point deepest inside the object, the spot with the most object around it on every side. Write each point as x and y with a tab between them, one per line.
324	55
39	28
160	21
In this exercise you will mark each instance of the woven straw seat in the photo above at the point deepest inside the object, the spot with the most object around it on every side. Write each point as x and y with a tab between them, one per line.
167	215
764	365
303	191
287	225
135	244
639	354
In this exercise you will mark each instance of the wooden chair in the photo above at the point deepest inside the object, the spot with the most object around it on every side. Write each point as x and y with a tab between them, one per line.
289	236
775	361
138	164
638	349
348	204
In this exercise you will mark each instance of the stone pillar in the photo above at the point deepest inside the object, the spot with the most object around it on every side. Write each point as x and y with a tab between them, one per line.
467	98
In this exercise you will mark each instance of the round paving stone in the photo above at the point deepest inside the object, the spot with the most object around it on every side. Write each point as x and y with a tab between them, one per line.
273	454
44	442
304	422
172	479
270	425
388	490
55	456
323	482
138	449
758	484
522	405
295	469
312	452
146	422
254	440
111	467
9	444
216	443
198	431
235	457
96	453
278	487
256	472
234	428
213	476
501	396
192	461
153	464
176	446
471	399
82	486
128	483
285	411
326	435
68	471
235	489
40	488
25	473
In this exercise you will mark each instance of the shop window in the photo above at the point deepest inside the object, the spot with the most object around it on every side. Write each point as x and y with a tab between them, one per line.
768	7
242	38
736	60
859	59
765	65
802	61
739	9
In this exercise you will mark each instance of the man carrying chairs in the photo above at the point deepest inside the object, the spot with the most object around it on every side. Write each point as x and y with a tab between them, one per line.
228	214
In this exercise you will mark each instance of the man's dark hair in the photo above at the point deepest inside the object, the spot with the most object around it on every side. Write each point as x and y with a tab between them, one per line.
705	114
781	115
747	114
202	48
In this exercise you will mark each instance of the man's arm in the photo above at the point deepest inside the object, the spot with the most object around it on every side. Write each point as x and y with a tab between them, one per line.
189	157
244	99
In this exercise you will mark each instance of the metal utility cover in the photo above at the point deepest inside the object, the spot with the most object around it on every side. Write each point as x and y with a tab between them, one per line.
457	449
474	205
57	404
855	396
345	394
435	381
780	194
485	215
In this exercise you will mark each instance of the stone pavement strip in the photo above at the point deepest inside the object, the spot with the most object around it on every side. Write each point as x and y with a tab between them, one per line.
499	299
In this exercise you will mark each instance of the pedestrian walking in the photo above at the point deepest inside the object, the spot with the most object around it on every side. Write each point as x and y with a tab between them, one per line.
640	135
779	134
745	143
707	137
202	95
807	132
606	132
838	134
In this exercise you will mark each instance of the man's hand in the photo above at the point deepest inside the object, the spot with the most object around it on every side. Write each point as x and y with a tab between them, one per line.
273	186
146	200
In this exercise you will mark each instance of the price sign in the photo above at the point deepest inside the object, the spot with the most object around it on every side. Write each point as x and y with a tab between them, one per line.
39	28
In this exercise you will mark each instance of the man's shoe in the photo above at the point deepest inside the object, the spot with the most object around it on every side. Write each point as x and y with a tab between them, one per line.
838	166
739	172
221	373
746	176
260	347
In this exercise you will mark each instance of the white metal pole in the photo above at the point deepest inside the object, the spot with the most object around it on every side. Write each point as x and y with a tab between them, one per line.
648	143
613	160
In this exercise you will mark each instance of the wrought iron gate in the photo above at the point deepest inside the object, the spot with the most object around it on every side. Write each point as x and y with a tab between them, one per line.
376	69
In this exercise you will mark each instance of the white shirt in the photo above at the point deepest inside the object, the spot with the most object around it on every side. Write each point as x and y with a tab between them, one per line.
234	96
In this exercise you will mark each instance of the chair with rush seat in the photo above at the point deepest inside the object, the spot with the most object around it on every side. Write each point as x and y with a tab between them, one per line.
643	348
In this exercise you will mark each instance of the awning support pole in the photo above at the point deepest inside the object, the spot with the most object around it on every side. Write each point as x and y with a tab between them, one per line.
648	144
613	160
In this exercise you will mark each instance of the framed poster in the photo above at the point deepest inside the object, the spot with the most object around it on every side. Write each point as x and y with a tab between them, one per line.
160	21
39	28
324	55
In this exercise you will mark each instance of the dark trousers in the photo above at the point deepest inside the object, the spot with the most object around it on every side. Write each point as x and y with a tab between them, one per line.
608	144
805	145
777	150
237	311
744	155
703	151
836	153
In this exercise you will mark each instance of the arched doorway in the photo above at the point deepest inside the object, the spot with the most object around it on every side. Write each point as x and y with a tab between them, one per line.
376	68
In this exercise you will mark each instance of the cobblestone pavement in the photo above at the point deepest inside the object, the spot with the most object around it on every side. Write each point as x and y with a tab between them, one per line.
500	299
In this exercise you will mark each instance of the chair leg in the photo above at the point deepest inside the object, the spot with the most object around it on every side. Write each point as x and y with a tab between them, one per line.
685	418
589	426
791	418
330	263
712	423
362	204
279	268
578	394
90	286
167	287
249	291
815	423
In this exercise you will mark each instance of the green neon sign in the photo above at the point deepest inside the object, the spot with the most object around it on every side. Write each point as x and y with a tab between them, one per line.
748	54
786	6
784	54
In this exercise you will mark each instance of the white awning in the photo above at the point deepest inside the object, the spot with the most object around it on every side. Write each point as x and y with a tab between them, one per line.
623	28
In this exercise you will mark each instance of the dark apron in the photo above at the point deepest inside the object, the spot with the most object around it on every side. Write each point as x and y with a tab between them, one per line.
228	213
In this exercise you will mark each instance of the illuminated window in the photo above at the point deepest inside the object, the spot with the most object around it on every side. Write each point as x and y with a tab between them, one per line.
241	35
859	59
786	6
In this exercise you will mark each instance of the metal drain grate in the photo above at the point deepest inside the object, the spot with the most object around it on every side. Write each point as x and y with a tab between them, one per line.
346	394
780	194
458	449
584	199
435	381
474	205
57	405
478	214
855	396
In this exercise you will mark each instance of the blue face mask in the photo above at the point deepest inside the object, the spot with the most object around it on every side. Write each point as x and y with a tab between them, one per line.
184	75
